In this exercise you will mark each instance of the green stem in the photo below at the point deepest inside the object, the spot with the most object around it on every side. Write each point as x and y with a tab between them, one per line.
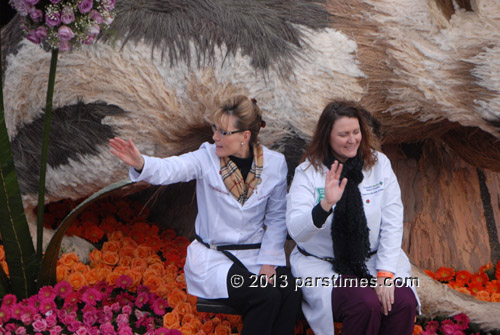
45	150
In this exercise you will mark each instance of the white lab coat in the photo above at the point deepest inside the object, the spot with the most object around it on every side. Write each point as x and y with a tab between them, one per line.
381	198
221	219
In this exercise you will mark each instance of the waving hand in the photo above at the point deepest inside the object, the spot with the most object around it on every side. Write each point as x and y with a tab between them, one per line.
333	187
127	152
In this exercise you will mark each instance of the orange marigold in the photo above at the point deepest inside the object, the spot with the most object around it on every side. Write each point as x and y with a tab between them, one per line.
485	268
94	234
171	320
445	274
463	276
417	330
493	287
482	295
454	285
475	287
479	277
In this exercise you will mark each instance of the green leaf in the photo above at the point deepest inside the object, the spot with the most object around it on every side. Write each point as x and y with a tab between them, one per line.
49	263
19	251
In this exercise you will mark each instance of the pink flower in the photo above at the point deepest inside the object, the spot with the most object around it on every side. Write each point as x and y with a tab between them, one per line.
9	300
89	40
40	325
27	314
47	306
96	16
41	32
123	281
4	315
74	326
108	4
36	15
56	330
68	15
159	306
32	36
125	330
91	296
10	327
53	19
81	331
90	318
122	319
51	320
16	311
85	6
63	288
432	325
21	331
462	321
142	298
162	331
65	33
72	299
107	329
127	309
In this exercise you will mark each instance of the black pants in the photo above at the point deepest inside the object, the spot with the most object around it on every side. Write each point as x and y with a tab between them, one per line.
267	309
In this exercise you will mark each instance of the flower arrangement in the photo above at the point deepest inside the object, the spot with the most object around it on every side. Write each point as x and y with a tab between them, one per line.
64	23
483	284
458	325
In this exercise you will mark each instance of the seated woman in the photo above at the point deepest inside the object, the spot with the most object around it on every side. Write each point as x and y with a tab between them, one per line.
344	211
240	227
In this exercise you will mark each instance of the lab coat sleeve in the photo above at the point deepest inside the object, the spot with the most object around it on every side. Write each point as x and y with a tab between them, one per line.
300	201
391	227
174	169
272	250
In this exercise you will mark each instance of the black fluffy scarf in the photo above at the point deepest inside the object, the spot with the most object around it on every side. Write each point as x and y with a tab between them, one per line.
351	245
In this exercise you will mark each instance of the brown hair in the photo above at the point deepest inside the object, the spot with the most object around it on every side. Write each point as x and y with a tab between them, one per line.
248	114
318	149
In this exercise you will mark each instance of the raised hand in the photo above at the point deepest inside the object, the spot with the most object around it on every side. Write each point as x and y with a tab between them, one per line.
333	187
127	152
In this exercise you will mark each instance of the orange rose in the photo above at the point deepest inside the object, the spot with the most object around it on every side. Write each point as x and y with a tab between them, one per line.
208	327
154	259
110	258
234	320
226	323
139	263
62	273
150	273
158	268
129	242
142	251
95	256
68	260
116	235
112	277
80	267
77	280
195	322
111	246
200	332
483	295
121	269
136	277
171	320
163	290
187	329
103	273
92	276
153	282
176	296
125	261
495	297
183	308
127	251
222	330
192	299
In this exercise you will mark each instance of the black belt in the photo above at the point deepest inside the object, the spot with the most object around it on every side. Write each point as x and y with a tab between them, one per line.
223	248
326	259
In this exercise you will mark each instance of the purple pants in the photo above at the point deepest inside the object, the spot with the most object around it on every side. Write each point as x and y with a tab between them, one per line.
360	311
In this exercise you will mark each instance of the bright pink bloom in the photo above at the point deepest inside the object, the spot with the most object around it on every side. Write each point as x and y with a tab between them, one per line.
142	298
122	319
159	306
9	300
51	320
81	331
21	331
127	309
56	330
462	321
123	281
47	306
63	289
40	325
91	296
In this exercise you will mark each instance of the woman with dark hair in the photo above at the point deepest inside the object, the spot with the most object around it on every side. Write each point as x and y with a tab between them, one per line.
240	226
344	211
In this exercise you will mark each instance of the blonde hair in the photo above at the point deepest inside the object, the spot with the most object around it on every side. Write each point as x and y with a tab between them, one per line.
248	115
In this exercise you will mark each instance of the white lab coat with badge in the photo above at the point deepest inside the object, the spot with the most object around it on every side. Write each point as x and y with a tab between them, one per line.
221	219
383	208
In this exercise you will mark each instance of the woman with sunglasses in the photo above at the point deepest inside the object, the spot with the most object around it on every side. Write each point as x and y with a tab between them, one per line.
240	227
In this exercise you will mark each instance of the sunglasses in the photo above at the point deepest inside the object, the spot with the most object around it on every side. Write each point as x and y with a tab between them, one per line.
223	132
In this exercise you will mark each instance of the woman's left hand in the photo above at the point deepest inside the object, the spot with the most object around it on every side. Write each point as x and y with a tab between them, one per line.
269	271
385	293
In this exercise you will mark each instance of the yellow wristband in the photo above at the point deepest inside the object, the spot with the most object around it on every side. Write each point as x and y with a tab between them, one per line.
385	274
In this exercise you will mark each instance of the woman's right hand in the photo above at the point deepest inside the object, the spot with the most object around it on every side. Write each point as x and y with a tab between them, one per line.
127	152
333	187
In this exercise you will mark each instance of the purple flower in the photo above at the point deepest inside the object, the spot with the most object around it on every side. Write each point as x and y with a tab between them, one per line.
53	19
41	32
64	45
36	15
123	279
85	6
89	40
96	16
109	4
65	34
68	15
32	36
39	325
31	2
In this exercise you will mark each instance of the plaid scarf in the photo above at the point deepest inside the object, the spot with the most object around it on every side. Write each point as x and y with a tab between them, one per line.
242	190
